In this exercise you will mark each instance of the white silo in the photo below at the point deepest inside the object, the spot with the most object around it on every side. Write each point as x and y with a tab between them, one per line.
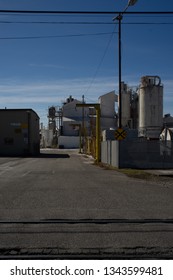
150	107
125	97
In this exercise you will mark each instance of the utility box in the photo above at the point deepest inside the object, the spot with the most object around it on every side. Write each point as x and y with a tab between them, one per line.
19	132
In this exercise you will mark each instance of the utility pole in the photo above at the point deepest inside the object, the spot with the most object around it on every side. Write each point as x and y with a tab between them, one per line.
83	124
119	18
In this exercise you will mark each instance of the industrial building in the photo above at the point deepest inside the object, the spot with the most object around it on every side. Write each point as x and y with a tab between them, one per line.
70	123
75	119
19	132
107	110
75	124
147	143
143	109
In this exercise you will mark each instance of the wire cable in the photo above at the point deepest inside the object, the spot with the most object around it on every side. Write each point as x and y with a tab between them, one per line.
54	22
79	22
101	61
86	12
56	36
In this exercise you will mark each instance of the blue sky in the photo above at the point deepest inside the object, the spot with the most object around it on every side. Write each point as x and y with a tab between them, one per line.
46	58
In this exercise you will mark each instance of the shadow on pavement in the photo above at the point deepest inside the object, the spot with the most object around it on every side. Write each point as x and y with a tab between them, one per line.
49	155
41	155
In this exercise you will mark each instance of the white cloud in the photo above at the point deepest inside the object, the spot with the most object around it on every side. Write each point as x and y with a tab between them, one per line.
13	91
41	95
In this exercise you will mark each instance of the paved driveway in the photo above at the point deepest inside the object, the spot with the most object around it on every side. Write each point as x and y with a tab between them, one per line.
61	203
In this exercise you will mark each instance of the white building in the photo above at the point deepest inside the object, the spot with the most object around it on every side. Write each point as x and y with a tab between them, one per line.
107	107
73	119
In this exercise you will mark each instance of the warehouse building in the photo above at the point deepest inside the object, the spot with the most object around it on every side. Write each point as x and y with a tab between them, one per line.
19	132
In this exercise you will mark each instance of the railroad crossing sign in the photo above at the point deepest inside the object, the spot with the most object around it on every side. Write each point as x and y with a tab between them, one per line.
120	134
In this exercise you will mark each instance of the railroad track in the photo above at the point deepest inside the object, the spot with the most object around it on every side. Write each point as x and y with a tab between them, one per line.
86	239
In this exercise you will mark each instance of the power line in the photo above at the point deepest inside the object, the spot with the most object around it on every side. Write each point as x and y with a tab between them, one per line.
80	23
84	12
106	16
53	22
56	36
57	12
101	61
56	15
149	23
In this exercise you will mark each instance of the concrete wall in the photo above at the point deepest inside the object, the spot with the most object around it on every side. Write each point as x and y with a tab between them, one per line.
107	123
69	128
107	104
107	107
68	142
140	154
19	132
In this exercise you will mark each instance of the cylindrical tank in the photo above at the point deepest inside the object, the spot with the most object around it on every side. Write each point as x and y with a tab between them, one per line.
125	97
150	107
52	112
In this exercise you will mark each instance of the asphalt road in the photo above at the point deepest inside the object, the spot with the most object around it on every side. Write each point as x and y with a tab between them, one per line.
61	205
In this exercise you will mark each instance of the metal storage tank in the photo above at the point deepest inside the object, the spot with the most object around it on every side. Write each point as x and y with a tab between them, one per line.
52	112
125	96
150	107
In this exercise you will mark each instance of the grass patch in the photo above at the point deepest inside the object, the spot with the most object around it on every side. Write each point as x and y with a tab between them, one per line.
137	173
133	173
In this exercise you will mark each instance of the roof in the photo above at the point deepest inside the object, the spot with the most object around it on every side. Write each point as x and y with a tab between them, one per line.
19	110
109	95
